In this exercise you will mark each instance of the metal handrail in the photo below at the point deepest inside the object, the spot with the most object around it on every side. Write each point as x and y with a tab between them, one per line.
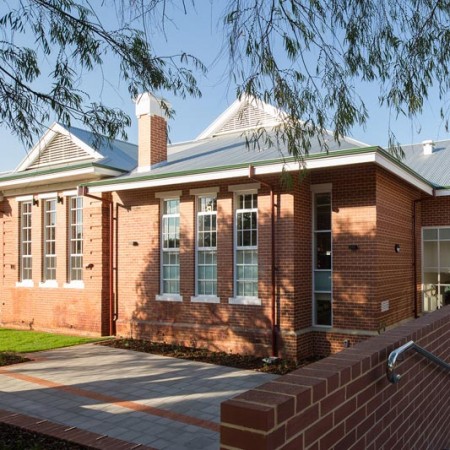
392	360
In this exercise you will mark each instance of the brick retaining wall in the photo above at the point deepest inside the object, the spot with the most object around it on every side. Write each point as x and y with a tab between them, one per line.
346	402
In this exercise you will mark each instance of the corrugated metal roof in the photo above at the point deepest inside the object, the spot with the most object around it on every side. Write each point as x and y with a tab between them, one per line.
434	167
230	149
118	154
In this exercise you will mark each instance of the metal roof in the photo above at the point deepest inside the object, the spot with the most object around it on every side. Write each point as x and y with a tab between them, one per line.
116	153
228	150
434	167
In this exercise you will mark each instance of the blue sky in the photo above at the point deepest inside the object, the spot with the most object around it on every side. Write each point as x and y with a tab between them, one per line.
200	33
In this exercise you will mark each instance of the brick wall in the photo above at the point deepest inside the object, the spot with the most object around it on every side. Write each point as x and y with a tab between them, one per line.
222	326
76	311
436	212
353	223
346	402
371	209
395	271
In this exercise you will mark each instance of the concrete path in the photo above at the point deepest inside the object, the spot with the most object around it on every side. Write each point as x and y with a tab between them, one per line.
155	401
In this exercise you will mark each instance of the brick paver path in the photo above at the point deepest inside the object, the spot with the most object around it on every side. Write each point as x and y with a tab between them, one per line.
155	401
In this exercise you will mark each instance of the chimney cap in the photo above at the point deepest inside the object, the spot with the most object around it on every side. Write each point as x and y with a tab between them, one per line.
428	146
149	104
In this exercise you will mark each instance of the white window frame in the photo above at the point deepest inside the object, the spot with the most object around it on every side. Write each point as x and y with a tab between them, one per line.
167	196
46	199
25	282
252	190
439	297
325	188
204	298
77	284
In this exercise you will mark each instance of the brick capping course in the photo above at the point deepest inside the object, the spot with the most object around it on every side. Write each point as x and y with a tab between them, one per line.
70	434
346	401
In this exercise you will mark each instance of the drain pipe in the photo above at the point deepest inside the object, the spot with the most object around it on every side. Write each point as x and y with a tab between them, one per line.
83	191
275	325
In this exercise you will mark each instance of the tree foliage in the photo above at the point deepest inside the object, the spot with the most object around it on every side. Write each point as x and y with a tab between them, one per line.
305	57
69	38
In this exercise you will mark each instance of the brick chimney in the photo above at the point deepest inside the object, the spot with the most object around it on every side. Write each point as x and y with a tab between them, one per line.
152	131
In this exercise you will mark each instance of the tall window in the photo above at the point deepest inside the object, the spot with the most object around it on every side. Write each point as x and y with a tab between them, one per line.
170	224
49	254
207	246
436	268
25	241
75	239
322	259
246	229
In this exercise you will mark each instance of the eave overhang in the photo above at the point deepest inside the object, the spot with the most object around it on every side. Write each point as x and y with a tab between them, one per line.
366	155
77	174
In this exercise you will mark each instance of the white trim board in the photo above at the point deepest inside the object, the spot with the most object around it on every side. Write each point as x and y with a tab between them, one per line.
319	163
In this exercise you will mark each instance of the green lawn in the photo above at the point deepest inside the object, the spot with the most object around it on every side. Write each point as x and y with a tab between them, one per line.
33	341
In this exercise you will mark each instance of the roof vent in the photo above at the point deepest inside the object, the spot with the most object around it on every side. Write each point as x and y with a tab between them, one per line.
428	147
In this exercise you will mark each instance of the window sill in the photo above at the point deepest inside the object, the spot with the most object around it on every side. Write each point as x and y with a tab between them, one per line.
245	301
169	298
25	283
48	284
205	299
74	285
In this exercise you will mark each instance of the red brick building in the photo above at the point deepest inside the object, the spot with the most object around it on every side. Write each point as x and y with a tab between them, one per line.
200	243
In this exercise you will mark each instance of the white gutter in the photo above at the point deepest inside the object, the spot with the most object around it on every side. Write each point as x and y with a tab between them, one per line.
319	163
77	173
442	192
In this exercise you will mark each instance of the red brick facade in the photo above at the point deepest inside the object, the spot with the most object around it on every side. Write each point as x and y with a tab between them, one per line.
373	285
364	201
64	309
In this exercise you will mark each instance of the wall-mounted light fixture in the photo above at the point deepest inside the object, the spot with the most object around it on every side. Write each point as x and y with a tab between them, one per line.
353	247
90	266
35	202
397	248
60	199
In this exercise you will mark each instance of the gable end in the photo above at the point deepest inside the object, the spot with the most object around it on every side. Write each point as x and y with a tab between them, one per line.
61	150
248	116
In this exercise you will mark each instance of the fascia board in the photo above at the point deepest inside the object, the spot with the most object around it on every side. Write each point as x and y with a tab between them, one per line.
233	108
442	192
47	137
233	173
87	148
38	179
217	124
404	174
314	163
182	179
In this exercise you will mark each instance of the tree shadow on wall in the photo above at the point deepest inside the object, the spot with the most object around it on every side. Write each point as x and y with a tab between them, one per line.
359	265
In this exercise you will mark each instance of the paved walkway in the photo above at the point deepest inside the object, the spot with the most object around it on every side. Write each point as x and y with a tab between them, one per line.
159	402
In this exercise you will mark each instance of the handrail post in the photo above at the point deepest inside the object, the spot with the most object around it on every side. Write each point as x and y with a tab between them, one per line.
392	360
